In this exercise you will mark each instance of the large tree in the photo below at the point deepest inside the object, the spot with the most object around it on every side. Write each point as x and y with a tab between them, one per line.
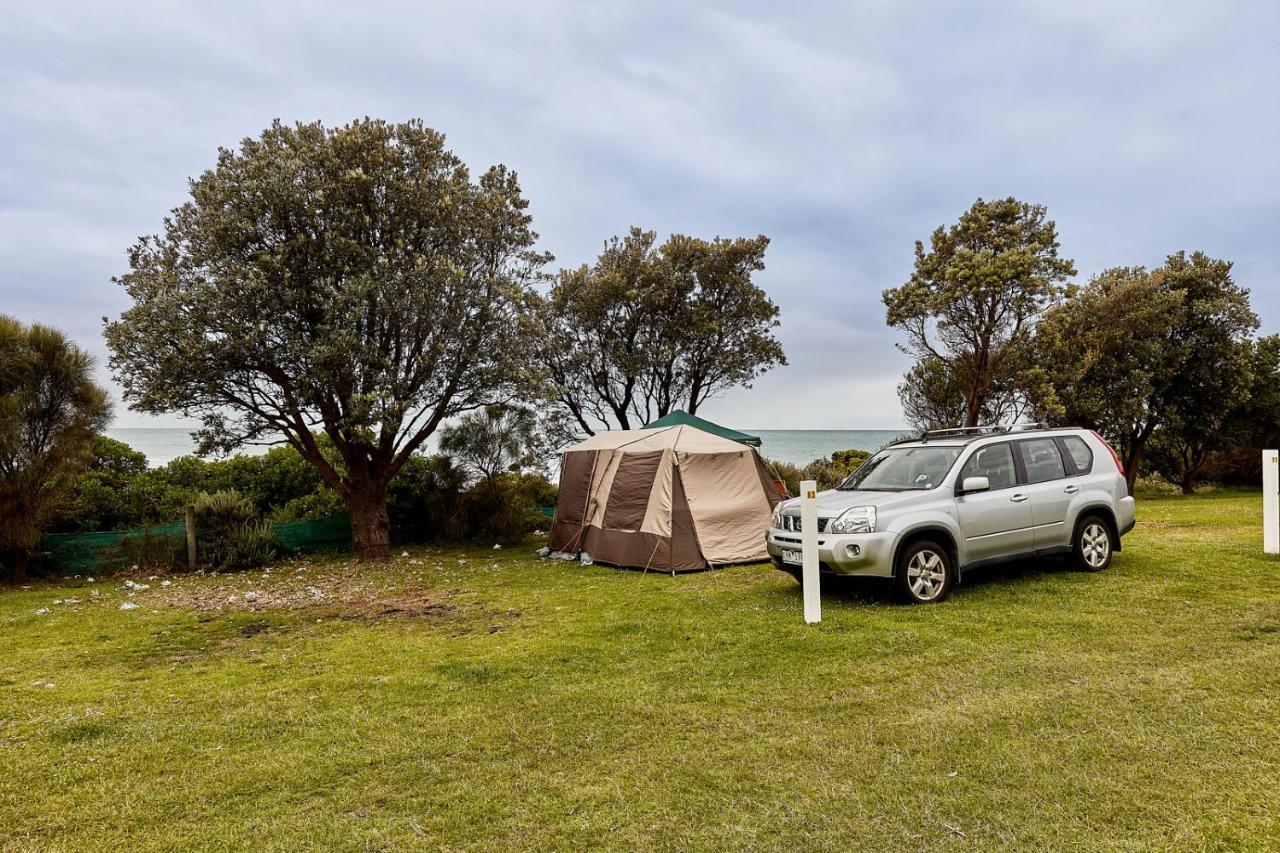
50	411
971	303
1106	350
647	329
1211	345
354	281
1255	420
1141	352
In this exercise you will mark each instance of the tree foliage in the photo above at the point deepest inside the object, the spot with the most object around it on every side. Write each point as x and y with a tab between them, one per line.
50	410
648	329
355	281
970	306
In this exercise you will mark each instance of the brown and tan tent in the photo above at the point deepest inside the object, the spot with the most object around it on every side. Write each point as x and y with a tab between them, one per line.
670	499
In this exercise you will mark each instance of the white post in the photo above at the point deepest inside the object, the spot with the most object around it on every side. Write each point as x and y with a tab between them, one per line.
1271	501
809	551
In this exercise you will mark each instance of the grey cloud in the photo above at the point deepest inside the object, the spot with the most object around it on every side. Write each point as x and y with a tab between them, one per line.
843	131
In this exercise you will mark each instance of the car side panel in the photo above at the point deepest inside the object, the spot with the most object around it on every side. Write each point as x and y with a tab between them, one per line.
994	523
1051	511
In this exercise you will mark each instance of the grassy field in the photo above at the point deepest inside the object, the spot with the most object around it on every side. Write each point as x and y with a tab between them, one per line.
483	699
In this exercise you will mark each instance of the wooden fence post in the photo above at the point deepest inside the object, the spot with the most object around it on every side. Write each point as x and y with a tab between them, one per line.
191	537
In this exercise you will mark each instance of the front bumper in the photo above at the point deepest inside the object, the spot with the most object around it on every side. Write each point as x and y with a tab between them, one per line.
852	554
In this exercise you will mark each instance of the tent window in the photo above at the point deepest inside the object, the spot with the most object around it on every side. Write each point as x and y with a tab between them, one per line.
575	483
629	494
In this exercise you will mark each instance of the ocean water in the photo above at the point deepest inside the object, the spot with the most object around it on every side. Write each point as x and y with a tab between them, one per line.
796	446
800	446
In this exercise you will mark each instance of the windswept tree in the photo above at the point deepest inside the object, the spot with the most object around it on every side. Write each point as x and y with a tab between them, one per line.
1211	346
1107	353
351	281
648	329
1254	422
50	411
970	306
1138	353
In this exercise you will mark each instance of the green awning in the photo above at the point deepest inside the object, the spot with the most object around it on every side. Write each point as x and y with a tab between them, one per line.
681	418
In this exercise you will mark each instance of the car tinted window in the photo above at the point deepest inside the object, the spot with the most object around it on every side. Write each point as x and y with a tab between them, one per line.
1042	460
994	462
1080	453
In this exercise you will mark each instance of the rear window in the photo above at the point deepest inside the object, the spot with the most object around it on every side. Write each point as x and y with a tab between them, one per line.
1080	453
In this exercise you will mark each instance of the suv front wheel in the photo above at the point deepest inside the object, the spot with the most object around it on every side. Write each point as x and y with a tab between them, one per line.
925	573
1092	544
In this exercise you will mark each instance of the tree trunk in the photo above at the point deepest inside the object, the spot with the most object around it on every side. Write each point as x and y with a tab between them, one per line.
1131	463
18	568
370	525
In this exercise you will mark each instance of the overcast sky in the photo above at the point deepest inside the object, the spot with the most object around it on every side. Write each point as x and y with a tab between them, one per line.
844	132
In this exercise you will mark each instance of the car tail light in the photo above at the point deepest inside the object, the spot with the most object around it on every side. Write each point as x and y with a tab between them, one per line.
1115	456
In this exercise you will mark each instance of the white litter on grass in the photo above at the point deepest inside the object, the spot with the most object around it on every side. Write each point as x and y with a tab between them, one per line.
315	592
40	682
93	593
585	559
250	596
462	562
128	605
497	547
404	553
166	583
42	611
68	601
136	586
90	580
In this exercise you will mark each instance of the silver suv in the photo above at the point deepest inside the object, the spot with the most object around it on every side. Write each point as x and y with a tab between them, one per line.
922	510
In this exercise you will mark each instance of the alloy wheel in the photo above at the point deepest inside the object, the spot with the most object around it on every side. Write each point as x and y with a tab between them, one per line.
1095	545
926	574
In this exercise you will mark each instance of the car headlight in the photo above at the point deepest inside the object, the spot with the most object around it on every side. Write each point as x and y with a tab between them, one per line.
858	519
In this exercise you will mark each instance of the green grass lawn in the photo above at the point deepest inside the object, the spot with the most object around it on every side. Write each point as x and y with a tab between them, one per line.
505	702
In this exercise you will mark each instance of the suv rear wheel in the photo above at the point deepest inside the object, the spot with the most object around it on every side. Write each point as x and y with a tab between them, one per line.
925	573
1092	544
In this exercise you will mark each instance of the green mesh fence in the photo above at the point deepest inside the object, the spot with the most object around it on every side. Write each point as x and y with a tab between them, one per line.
85	553
107	551
333	531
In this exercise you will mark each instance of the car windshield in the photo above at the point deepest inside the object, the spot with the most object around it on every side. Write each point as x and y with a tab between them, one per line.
901	469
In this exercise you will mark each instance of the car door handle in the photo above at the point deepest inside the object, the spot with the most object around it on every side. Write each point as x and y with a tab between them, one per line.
1071	490
1019	498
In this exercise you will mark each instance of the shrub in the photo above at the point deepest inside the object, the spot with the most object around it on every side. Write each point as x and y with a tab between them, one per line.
828	473
253	544
226	533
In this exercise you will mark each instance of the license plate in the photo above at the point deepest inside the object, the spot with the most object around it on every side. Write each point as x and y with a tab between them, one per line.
792	557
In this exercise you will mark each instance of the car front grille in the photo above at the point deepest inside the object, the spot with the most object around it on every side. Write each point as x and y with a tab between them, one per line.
792	523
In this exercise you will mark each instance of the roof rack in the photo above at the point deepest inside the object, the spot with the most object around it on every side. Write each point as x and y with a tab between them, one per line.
974	432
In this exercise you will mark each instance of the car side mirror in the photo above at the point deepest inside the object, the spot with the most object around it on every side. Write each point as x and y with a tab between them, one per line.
975	484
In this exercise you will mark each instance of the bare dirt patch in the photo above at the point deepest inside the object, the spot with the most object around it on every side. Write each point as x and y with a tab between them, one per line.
304	587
